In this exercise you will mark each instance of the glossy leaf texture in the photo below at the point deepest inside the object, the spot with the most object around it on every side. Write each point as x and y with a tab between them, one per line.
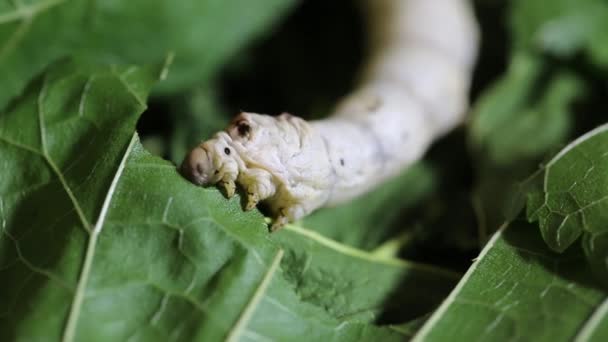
202	34
103	241
520	290
571	200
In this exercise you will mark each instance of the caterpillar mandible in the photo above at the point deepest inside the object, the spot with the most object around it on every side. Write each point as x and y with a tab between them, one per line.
414	89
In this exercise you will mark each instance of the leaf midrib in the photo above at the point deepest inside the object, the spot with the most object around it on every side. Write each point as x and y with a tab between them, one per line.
365	255
592	323
423	332
240	325
74	313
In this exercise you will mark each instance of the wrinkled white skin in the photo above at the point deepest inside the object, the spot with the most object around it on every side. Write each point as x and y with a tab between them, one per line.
414	89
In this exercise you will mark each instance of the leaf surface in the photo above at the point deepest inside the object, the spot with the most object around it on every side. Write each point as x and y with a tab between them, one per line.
534	108
571	200
384	209
202	34
562	28
103	241
519	290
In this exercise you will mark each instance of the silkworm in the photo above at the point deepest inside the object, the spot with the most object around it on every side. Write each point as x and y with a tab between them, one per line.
413	90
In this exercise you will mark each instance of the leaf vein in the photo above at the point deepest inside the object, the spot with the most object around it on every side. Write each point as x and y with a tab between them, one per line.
73	315
258	295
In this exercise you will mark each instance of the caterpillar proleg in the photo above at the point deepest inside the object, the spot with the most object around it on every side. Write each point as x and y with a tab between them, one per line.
414	89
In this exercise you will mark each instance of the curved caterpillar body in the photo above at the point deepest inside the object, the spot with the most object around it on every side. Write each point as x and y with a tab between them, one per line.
414	89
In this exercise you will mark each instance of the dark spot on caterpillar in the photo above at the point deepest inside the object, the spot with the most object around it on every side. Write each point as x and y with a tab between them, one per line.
227	151
217	171
243	128
341	161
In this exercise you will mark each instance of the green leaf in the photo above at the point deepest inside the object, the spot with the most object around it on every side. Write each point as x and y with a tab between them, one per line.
353	284
574	196
32	35
519	290
382	209
561	27
102	241
571	199
61	146
409	329
202	34
514	124
515	110
528	112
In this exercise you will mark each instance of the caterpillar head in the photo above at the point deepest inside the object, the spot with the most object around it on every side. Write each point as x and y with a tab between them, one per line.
212	161
218	159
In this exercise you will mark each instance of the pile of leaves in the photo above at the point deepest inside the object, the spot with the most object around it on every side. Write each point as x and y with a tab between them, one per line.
500	233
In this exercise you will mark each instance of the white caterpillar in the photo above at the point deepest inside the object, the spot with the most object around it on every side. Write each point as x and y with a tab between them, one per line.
415	89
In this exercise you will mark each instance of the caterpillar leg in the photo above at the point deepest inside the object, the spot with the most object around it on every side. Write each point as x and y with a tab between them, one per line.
258	184
252	200
286	215
278	223
229	187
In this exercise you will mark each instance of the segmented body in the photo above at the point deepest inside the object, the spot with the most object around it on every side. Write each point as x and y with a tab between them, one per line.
414	89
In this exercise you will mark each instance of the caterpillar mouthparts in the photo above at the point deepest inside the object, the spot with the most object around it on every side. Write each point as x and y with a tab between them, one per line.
270	158
197	166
